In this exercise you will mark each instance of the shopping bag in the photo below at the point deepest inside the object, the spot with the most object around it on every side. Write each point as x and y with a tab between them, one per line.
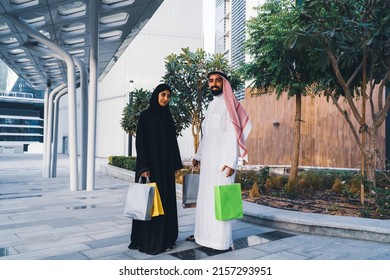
190	190
228	202
157	208
139	201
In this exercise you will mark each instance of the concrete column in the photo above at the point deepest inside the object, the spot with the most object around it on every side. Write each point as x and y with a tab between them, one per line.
56	103
93	67
45	106
84	121
48	145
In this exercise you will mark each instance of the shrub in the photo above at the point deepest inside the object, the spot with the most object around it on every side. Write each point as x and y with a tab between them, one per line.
382	199
247	178
122	162
187	169
337	186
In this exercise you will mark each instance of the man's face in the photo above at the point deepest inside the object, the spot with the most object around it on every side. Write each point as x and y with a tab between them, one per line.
215	82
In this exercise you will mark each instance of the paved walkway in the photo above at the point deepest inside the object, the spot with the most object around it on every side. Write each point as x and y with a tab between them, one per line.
41	219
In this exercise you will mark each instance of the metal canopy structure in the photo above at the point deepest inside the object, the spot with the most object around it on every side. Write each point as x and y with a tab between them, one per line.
52	44
66	23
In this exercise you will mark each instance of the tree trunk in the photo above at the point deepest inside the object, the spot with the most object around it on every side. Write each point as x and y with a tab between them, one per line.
196	133
297	142
371	156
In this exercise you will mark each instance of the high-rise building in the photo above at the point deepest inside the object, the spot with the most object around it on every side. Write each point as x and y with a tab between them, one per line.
21	114
230	30
3	75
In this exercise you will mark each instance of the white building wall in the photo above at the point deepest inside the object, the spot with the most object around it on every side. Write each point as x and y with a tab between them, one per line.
176	24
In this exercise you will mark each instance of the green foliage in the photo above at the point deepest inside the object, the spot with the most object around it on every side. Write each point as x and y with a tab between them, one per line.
251	177
381	192
382	199
263	176
247	178
275	65
347	30
122	162
139	102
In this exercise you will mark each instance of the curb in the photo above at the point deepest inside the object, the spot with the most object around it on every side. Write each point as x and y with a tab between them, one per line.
319	224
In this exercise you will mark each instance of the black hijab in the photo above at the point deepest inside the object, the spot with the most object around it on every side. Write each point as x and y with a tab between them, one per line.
162	111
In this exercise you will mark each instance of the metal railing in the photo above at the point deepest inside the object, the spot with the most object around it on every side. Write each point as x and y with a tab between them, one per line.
16	94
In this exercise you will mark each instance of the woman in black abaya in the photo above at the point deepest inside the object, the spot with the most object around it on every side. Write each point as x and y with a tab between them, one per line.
158	158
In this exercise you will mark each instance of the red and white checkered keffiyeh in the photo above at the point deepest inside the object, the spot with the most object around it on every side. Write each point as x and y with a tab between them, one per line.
240	120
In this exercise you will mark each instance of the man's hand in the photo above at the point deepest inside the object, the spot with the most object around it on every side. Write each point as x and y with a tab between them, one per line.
229	172
195	162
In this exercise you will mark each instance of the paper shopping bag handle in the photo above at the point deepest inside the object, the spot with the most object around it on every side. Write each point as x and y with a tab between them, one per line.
147	180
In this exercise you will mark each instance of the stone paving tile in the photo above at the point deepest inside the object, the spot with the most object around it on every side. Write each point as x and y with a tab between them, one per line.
283	255
71	256
342	251
30	240
382	256
29	247
9	239
58	233
107	242
24	228
247	231
50	252
116	257
110	233
244	254
102	252
273	247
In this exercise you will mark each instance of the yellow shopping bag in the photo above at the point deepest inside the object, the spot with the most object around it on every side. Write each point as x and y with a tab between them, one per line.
157	208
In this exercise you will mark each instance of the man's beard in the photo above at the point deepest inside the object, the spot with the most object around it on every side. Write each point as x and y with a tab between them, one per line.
216	92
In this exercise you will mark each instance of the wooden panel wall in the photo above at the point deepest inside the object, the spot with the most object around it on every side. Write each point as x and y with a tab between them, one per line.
326	139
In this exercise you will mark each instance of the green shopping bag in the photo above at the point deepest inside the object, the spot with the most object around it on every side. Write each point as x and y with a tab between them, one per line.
228	202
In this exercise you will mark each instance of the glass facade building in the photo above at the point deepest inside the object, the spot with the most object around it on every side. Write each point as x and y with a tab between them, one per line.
230	20
238	21
221	26
21	114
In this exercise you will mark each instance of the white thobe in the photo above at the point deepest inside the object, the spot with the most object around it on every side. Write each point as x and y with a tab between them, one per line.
218	147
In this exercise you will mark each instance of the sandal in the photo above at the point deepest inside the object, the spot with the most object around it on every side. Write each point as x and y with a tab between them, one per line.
168	249
190	238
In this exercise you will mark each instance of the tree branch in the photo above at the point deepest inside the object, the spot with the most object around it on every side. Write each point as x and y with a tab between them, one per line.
383	113
347	118
344	85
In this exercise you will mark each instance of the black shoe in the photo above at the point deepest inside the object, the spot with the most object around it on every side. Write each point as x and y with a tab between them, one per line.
190	238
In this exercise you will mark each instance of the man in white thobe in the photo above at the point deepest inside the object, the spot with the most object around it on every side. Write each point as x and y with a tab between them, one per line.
224	131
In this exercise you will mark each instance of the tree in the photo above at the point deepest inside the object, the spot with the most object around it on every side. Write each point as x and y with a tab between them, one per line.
139	102
352	39
275	66
187	73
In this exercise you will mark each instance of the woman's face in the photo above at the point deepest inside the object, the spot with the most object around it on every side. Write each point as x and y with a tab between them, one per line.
164	97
